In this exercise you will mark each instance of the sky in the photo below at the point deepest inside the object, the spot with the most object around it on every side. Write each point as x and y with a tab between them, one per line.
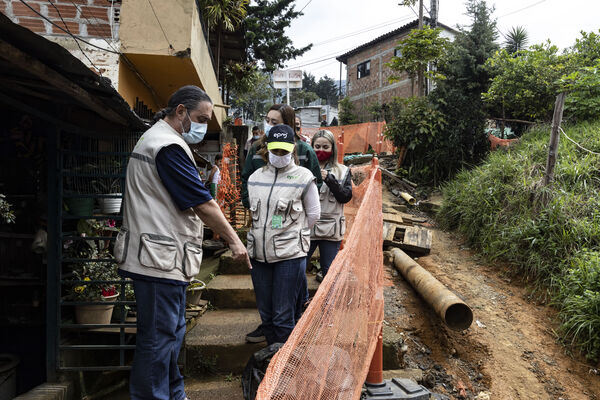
337	26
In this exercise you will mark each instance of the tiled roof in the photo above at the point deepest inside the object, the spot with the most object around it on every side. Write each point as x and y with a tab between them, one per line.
404	28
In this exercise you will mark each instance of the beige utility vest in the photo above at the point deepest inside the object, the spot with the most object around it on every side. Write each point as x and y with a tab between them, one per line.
332	223
157	239
278	229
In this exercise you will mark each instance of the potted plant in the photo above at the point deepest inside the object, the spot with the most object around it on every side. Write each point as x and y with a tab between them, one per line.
194	291
91	270
110	186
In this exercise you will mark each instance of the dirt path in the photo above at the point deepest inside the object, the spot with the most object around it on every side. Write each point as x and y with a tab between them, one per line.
509	352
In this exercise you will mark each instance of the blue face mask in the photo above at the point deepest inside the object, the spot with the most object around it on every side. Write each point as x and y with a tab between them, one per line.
256	137
267	128
196	132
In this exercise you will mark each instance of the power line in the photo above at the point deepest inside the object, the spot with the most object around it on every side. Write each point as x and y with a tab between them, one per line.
90	24
306	5
363	30
159	24
66	31
521	9
76	42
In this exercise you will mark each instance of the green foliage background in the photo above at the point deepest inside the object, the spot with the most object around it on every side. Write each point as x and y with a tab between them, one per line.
550	235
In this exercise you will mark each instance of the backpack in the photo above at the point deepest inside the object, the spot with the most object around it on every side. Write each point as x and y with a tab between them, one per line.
255	369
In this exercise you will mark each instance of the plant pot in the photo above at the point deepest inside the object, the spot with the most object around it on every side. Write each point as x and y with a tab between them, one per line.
82	206
193	294
96	313
110	205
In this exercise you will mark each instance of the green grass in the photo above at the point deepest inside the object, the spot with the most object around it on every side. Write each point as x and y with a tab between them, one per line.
550	235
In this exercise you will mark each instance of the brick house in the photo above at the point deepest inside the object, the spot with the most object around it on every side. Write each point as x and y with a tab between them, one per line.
367	76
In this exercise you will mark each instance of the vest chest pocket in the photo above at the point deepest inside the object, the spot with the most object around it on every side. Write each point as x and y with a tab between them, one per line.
158	251
282	208
296	209
121	245
255	210
286	245
192	258
325	228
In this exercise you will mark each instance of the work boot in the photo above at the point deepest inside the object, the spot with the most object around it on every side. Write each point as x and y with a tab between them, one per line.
256	336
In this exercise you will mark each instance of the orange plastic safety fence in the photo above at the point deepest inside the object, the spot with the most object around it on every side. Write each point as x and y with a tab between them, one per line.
358	137
328	354
228	192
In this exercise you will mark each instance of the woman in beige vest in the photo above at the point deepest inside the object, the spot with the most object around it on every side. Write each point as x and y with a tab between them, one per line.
328	231
284	203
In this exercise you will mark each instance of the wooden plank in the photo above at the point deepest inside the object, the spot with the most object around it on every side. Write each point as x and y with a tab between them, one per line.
389	229
417	239
393	218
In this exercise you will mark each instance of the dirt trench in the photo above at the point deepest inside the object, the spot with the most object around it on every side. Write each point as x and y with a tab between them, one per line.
509	352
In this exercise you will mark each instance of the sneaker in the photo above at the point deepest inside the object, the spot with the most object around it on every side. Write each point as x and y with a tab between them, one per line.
256	336
319	276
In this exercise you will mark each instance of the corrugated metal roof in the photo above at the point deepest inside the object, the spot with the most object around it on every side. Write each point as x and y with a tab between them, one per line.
404	28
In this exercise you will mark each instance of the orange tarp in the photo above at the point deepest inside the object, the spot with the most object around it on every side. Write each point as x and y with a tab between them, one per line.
328	354
358	137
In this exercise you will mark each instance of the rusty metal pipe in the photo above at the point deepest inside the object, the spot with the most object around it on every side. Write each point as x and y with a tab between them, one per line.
452	310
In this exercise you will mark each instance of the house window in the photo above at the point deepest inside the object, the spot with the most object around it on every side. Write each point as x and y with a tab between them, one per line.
363	69
397	52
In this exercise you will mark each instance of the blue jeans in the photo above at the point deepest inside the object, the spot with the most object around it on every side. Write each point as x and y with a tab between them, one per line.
327	251
277	286
160	332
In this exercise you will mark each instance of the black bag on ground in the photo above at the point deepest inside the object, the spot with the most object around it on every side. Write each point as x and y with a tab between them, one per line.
255	369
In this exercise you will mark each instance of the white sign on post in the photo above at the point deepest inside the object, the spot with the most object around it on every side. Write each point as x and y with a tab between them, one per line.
290	79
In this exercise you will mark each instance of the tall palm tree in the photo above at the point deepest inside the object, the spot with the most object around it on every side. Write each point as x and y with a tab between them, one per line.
516	39
223	15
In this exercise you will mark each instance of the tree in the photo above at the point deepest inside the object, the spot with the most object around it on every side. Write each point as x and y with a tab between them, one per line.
417	124
253	97
265	36
302	97
346	114
526	86
586	51
327	90
516	40
420	48
309	83
223	15
463	141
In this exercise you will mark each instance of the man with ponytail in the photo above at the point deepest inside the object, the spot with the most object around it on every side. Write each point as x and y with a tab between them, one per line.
160	244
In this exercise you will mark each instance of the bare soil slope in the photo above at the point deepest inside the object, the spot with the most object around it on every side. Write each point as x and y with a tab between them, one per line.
509	352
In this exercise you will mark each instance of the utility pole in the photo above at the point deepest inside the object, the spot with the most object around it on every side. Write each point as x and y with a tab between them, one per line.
420	73
554	136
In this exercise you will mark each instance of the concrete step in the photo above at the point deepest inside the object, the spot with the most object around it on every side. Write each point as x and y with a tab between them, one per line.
236	291
217	343
214	388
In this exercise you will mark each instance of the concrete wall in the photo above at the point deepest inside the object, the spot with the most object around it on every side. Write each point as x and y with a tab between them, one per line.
141	34
141	31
